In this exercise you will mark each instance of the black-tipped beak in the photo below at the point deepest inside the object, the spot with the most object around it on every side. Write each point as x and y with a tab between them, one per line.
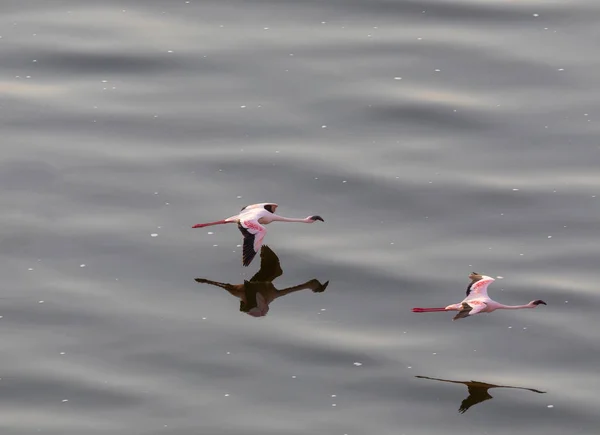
538	302
317	218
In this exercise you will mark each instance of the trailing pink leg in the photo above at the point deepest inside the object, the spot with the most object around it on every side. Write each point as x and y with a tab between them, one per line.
427	310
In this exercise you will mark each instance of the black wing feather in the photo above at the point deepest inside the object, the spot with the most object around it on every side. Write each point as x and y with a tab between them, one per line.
269	266
248	252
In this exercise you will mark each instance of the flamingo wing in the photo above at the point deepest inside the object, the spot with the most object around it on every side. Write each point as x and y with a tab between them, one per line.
254	234
479	288
470	308
476	395
269	266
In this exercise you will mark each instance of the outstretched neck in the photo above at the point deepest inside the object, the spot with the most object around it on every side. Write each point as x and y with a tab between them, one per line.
513	307
277	218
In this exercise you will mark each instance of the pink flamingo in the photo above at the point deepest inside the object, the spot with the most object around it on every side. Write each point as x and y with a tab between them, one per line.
477	300
250	222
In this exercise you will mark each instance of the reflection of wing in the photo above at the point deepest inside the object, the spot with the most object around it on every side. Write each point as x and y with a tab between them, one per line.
253	233
476	395
479	288
269	266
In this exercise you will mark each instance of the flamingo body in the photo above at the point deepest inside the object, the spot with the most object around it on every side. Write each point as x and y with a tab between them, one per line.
251	221
477	300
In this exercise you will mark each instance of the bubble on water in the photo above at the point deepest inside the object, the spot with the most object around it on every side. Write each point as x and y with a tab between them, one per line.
334	395
437	70
226	394
357	364
242	107
31	268
65	400
40	302
210	232
82	265
397	78
500	277
550	406
515	190
293	376
153	235
323	126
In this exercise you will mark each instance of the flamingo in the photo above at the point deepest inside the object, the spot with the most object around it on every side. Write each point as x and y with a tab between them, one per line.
251	221
256	294
478	391
477	300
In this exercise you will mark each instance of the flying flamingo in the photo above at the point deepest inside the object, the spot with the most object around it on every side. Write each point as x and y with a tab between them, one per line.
478	391
477	300
251	221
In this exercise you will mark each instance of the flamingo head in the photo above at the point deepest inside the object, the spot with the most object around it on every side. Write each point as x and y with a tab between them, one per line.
474	276
537	302
315	218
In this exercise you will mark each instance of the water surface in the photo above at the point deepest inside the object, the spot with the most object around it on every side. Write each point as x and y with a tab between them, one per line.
434	137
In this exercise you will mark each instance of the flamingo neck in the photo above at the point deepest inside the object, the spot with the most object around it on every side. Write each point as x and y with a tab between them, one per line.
277	218
513	307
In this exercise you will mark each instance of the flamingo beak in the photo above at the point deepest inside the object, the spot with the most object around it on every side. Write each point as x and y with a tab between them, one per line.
198	226
317	218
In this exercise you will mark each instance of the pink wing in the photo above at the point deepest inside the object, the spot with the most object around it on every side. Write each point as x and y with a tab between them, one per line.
479	289
477	307
253	233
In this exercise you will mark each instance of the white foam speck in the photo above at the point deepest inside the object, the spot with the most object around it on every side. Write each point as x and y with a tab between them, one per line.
40	302
153	235
226	395
323	126
65	400
515	190
397	78
82	265
357	364
550	406
500	277
31	268
210	232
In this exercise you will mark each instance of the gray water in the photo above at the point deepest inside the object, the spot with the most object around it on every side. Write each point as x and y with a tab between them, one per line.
434	137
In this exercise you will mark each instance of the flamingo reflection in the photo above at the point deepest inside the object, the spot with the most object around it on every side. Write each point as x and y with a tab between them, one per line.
259	292
478	391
